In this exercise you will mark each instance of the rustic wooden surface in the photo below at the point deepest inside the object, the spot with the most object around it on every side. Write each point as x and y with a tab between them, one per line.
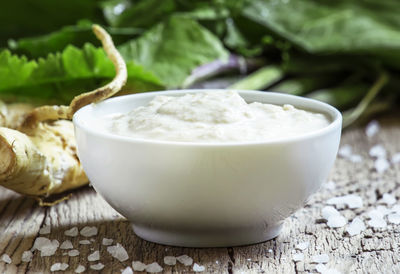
374	251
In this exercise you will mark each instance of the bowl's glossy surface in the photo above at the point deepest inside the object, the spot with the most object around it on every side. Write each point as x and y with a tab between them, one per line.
205	194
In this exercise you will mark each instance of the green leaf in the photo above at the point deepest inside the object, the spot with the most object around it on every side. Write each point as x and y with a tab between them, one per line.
260	79
77	35
172	49
60	76
342	26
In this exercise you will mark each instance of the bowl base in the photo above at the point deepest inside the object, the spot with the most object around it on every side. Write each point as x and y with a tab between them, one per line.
224	238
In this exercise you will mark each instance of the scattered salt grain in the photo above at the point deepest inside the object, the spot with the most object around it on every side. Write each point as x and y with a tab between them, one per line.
395	208
324	270
328	211
381	165
73	232
88	231
95	256
355	227
118	252
330	185
44	230
388	199
27	256
5	258
302	245
80	269
345	151
59	267
170	260
84	242
394	218
320	259
98	266
377	223
355	158
383	209
396	158
73	253
185	260
377	151
46	246
352	201
198	268
298	257
154	268
138	266
107	241
336	221
66	245
372	128
127	270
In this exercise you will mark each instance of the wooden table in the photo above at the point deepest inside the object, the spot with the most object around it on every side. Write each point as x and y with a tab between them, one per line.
373	251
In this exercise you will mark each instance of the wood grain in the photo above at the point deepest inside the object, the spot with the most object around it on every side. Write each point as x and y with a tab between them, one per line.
374	251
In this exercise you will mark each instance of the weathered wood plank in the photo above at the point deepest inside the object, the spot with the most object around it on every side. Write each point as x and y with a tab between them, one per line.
374	251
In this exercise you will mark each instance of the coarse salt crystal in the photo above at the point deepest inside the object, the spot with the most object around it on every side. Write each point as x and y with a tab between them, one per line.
345	151
198	268
355	158
58	267
395	208
66	245
355	227
383	209
95	256
107	241
374	214
5	258
388	199
154	268
394	218
302	245
381	165
372	128
27	256
46	246
377	151
396	158
73	253
320	259
329	211
80	269
330	185
73	232
377	223
98	266
45	230
88	231
118	252
138	266
185	260
352	201
324	270
84	242
336	221
298	257
127	270
170	260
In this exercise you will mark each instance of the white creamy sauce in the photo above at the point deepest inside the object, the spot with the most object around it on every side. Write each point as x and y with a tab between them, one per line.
214	117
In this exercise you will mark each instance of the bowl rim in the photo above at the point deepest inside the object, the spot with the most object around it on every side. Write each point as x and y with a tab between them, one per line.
335	115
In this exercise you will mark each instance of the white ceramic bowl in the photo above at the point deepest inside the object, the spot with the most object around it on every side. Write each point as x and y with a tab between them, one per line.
205	194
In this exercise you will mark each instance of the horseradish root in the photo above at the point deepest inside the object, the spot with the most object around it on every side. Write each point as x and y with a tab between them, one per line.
37	147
